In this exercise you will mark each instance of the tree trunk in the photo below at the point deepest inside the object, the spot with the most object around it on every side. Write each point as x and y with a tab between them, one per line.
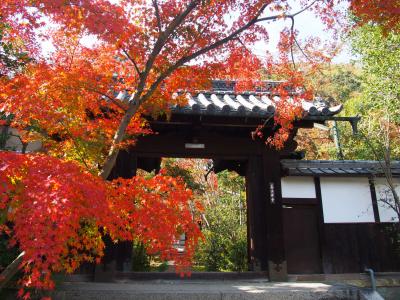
118	137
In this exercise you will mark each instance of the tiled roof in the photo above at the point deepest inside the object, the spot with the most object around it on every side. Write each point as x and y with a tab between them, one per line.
261	104
336	168
223	100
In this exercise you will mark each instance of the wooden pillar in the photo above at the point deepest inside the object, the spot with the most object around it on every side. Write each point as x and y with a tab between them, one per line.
266	248
277	267
256	215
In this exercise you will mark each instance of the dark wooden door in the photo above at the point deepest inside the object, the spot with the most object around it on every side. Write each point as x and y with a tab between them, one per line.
302	239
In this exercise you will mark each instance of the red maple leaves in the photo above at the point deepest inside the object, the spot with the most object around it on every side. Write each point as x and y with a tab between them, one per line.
57	214
386	13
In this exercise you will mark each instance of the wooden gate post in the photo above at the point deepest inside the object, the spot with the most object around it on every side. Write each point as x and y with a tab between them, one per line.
277	267
266	248
256	215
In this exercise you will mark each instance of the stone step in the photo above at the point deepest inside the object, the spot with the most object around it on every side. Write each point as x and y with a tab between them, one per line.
204	289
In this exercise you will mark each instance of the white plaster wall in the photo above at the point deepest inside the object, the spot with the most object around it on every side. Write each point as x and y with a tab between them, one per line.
346	200
298	187
383	193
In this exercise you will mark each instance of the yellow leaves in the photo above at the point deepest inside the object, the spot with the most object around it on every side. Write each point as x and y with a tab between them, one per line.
15	179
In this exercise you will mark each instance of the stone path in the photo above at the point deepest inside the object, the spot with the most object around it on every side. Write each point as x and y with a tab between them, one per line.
203	289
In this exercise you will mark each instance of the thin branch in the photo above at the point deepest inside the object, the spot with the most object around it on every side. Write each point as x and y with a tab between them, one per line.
386	169
302	51
81	153
388	203
291	17
305	8
305	55
285	16
133	61
157	13
244	46
291	42
17	136
113	100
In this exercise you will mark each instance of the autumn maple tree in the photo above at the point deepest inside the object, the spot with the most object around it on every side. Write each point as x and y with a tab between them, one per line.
57	214
384	13
109	64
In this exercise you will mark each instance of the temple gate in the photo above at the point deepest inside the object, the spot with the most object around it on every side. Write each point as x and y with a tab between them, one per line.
217	125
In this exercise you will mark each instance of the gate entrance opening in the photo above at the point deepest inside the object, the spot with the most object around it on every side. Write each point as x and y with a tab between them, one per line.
223	219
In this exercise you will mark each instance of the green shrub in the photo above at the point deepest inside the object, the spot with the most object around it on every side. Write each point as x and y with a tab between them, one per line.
140	259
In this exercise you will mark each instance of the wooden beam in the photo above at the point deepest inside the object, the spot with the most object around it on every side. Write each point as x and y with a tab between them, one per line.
173	145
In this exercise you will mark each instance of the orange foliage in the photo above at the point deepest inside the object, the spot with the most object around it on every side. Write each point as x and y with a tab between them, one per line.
57	213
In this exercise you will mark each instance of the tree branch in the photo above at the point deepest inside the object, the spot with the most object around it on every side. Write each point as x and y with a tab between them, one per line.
291	17
244	46
113	100
305	8
133	61
201	51
291	42
285	16
157	13
387	171
162	38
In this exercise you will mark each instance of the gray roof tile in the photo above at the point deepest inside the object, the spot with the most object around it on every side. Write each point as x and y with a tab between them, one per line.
336	168
228	103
